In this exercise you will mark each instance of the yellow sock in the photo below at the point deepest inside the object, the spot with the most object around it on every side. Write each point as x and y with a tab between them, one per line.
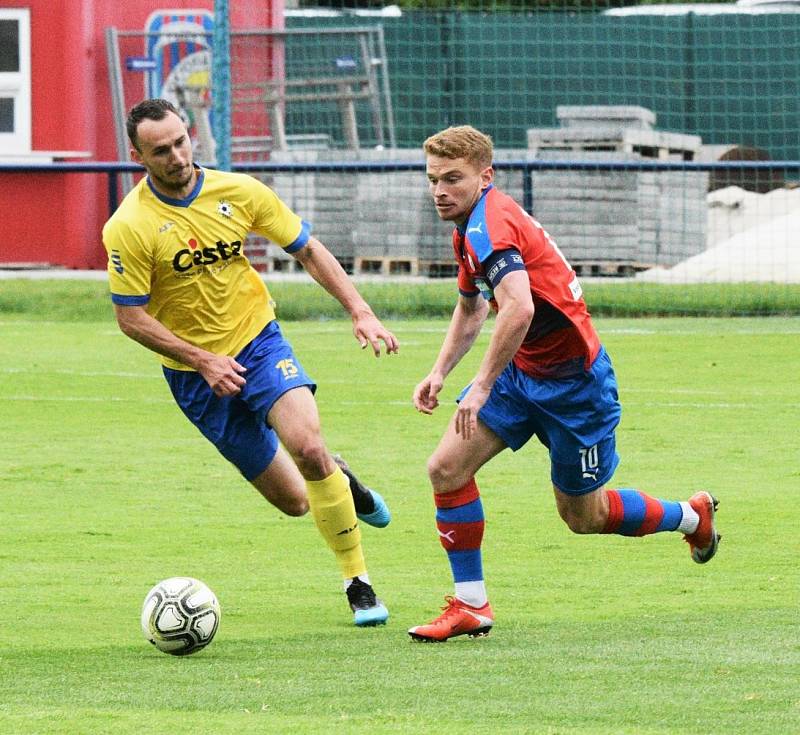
332	507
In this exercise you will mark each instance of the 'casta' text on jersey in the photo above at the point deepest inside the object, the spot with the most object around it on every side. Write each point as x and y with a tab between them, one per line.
190	257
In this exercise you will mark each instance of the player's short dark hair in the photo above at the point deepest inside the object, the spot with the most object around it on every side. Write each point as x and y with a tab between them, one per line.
153	109
461	141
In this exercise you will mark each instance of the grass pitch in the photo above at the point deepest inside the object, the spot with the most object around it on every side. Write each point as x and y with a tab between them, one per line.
106	489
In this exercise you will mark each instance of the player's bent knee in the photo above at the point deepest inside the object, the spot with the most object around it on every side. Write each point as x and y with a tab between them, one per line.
311	456
445	474
578	525
295	508
583	514
581	524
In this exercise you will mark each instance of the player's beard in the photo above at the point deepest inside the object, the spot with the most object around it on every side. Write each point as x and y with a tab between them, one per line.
182	181
177	183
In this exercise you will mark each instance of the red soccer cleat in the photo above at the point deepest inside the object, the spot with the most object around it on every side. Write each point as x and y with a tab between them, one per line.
704	541
458	618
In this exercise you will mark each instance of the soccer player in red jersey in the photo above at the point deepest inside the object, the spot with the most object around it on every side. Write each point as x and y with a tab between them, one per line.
544	373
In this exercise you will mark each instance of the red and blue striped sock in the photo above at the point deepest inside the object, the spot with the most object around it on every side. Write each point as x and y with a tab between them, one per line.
460	522
632	513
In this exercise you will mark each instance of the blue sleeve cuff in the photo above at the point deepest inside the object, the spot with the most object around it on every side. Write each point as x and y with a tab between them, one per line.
129	300
468	294
301	239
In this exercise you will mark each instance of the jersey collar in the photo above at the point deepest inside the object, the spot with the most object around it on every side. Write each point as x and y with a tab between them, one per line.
198	185
463	228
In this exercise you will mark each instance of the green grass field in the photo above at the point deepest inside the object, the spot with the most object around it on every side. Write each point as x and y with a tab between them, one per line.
106	489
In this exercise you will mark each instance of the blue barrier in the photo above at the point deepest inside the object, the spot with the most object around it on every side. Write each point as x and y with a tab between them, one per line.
112	169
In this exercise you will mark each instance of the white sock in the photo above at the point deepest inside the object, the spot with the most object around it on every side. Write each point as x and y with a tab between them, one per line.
363	577
689	520
473	593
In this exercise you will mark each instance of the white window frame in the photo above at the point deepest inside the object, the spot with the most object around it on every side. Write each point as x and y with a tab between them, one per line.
18	86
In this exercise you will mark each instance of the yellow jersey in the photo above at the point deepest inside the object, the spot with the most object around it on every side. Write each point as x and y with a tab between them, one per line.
184	260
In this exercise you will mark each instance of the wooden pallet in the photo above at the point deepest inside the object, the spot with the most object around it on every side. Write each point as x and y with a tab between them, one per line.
386	265
438	268
607	268
284	265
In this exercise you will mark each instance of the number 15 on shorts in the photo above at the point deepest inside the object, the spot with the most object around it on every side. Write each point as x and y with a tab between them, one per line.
287	367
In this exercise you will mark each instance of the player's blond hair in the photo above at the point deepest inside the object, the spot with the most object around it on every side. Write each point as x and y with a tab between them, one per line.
461	141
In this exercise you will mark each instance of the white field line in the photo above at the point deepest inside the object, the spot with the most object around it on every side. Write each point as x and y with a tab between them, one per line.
683	391
81	373
702	406
624	391
633	331
148	376
85	399
316	328
105	331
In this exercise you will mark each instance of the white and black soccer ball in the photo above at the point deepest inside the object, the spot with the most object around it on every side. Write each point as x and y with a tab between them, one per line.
180	616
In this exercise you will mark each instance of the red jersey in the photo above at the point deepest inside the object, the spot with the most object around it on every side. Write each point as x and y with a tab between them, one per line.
561	339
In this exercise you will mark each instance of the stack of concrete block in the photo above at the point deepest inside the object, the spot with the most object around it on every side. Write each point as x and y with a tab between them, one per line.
616	221
380	222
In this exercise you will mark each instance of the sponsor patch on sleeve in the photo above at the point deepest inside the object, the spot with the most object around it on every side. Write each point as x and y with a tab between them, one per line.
500	263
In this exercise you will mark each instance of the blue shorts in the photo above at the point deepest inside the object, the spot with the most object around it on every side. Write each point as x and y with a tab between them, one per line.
237	425
574	418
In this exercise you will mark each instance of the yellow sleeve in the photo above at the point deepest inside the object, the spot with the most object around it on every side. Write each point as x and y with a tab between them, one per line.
275	221
130	264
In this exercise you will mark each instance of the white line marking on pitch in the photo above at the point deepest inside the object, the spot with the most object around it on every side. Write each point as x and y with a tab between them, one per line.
81	373
86	399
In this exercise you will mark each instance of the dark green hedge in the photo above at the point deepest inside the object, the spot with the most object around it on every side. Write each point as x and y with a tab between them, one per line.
79	300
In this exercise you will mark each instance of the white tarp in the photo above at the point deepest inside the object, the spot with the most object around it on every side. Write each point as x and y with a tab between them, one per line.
751	237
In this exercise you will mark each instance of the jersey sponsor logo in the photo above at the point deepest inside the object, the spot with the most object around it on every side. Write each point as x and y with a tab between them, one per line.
495	269
116	261
194	256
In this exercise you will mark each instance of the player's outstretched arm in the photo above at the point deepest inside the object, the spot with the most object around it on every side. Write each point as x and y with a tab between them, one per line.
221	372
465	326
320	264
514	315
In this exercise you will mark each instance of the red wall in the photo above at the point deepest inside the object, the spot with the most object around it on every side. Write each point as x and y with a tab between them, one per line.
57	218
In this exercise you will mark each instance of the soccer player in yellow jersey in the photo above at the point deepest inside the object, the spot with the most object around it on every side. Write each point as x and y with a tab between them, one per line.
182	286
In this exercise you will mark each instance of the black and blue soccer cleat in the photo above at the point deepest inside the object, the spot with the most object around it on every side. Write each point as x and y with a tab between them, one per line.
370	505
367	609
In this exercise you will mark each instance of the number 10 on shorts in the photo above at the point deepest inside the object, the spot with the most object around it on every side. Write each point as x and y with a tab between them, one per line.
589	462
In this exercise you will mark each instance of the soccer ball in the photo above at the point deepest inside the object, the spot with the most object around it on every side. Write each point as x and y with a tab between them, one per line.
180	616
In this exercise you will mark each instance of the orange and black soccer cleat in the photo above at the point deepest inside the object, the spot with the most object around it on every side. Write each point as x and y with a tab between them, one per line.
704	541
458	618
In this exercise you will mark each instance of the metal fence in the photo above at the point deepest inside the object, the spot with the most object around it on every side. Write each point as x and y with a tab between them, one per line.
627	137
619	221
324	88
